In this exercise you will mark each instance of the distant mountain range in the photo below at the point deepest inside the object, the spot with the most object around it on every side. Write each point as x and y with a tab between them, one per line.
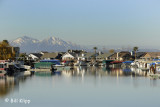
51	44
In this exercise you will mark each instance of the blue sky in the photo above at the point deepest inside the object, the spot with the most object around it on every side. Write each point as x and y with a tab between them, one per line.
85	22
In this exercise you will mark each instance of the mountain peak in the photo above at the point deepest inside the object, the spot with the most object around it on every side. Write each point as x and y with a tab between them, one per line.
27	38
51	44
52	38
24	39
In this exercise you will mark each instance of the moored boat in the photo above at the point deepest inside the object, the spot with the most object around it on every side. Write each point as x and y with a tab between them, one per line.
47	64
80	63
116	64
126	64
107	62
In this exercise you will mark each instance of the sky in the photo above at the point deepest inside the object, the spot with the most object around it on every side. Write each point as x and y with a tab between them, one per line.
84	22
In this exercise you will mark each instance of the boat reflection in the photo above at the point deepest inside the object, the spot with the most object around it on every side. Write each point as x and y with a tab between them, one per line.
102	71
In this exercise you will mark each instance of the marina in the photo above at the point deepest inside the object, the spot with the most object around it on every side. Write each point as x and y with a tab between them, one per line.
79	53
151	68
103	86
80	79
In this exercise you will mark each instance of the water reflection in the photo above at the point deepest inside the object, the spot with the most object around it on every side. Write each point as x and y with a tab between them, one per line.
94	71
10	84
100	71
6	85
132	73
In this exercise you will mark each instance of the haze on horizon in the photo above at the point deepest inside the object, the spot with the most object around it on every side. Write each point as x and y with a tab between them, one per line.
84	22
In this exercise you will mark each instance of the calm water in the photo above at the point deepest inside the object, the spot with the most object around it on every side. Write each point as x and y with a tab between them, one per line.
81	87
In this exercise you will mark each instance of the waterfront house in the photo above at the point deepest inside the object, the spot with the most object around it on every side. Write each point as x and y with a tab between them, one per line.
139	55
104	56
81	57
49	56
89	56
34	56
76	51
121	56
69	56
73	55
150	56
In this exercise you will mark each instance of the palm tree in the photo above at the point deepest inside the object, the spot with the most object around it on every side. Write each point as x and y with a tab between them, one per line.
95	48
135	49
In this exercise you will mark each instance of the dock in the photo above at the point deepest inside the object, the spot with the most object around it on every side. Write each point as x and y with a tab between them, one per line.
49	69
40	70
154	75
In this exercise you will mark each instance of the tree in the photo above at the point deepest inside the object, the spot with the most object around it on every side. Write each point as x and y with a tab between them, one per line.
111	51
135	49
5	42
6	51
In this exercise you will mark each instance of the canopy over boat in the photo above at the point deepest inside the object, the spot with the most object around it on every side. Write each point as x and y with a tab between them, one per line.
155	63
57	62
156	59
128	62
107	61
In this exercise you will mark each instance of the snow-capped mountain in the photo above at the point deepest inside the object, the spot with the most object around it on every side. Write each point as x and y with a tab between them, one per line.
51	44
24	40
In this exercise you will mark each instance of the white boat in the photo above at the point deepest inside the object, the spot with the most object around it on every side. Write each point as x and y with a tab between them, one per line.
25	67
58	65
80	63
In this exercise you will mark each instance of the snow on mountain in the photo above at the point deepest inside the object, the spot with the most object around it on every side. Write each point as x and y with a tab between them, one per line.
24	40
51	44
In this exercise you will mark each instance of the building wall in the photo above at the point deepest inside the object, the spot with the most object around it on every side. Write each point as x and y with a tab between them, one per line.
16	50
